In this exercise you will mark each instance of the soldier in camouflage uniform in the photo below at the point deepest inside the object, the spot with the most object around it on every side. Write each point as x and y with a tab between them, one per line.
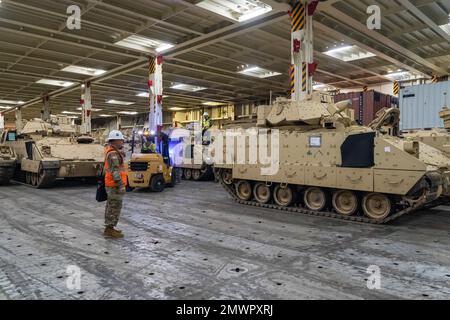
115	182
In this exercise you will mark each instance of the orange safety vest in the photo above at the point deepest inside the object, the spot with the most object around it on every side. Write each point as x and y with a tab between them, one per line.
109	181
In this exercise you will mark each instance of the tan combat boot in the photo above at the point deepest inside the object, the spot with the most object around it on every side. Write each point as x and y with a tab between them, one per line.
111	232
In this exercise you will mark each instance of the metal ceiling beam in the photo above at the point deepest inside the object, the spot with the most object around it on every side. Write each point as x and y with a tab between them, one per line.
334	75
145	17
322	55
395	9
61	27
332	31
223	34
258	85
381	39
233	44
117	71
62	15
69	55
201	41
78	43
229	74
424	18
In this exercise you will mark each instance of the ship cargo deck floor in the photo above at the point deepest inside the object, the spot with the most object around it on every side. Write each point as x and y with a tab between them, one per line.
195	242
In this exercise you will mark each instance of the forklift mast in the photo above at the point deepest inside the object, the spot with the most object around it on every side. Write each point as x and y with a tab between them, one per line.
164	147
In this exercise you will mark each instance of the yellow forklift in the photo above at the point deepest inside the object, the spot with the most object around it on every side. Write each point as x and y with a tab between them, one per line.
151	168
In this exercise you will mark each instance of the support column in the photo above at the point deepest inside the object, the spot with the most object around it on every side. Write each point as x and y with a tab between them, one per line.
86	108
46	110
2	122
19	124
119	123
396	88
155	85
302	49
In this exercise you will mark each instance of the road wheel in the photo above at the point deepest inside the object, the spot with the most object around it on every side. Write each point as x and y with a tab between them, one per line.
315	199
345	202
227	177
244	190
187	173
283	195
376	205
262	192
196	174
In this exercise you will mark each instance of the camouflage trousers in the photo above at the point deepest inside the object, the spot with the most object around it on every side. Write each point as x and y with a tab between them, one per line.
113	206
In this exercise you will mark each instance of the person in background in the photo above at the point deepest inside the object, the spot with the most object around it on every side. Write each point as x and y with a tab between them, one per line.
206	124
115	182
148	145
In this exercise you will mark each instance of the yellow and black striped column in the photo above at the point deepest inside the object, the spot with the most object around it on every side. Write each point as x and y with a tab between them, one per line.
151	98
151	66
304	76
365	88
151	72
291	80
396	88
298	17
434	79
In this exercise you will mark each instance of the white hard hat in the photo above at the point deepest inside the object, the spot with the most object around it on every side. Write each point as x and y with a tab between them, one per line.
206	114
115	135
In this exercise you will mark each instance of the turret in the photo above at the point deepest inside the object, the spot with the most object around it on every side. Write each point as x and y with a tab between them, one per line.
386	121
58	126
318	111
445	116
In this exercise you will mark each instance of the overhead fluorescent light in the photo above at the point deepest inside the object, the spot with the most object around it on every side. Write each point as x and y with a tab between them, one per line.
187	87
212	103
121	103
144	44
258	72
84	70
349	53
11	102
143	94
446	27
71	112
164	47
128	112
5	108
105	115
340	49
402	75
176	109
236	10
318	86
56	83
146	95
92	109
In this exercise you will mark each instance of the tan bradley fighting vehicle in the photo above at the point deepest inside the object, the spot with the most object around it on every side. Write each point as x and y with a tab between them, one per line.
438	138
50	150
329	166
387	123
7	164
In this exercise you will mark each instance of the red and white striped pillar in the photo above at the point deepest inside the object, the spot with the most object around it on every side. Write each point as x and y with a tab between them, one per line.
86	108
155	86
